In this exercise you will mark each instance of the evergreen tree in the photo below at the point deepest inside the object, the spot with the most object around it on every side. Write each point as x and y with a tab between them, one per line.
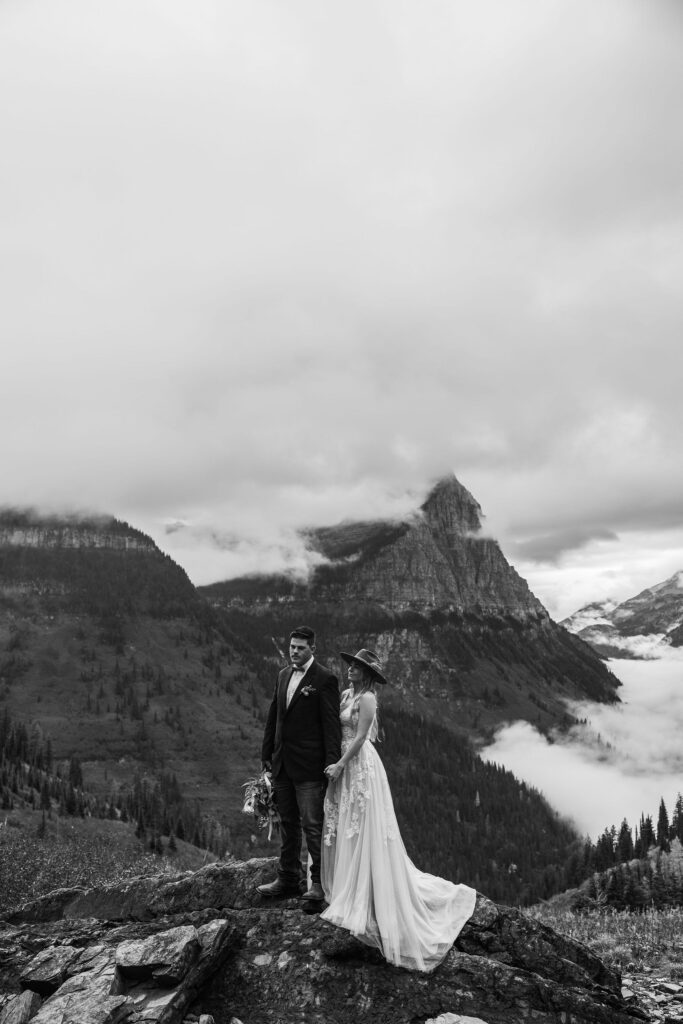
624	851
75	773
676	829
663	828
659	890
41	831
45	802
647	834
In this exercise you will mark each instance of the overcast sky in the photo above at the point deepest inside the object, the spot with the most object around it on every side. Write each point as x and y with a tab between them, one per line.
266	265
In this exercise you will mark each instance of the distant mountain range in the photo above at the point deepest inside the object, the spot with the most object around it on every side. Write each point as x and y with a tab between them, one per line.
645	626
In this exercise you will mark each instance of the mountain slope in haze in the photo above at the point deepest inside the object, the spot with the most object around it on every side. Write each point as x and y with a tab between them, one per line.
462	637
644	626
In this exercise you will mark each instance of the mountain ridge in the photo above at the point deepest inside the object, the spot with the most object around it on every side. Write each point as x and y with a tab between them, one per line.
641	627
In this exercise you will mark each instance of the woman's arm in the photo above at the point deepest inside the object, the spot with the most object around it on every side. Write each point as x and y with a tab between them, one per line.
367	706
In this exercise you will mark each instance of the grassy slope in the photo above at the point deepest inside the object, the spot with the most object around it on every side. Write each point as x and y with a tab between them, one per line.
212	742
76	851
635	942
647	949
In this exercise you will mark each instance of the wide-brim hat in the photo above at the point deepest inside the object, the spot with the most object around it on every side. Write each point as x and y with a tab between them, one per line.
368	659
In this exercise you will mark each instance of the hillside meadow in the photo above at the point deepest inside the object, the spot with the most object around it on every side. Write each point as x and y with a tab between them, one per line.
39	855
630	942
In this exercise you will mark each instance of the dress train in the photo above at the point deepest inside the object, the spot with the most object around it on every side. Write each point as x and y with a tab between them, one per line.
373	888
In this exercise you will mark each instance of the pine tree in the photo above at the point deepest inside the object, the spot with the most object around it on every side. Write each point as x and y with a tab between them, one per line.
75	772
624	850
676	829
45	802
659	893
663	827
647	835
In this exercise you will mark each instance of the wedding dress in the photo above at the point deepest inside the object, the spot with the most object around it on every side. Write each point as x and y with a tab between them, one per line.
373	888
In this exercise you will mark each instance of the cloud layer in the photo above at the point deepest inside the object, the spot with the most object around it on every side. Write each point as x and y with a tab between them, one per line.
621	763
268	266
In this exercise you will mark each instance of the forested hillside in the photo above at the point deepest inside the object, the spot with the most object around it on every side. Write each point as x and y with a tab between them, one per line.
468	820
632	870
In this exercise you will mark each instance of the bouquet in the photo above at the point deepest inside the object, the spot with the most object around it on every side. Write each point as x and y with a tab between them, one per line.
258	800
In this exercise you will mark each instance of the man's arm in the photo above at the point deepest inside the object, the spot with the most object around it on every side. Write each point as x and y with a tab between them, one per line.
329	714
268	744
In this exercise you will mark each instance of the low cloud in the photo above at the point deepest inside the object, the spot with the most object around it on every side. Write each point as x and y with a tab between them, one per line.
550	547
221	556
621	763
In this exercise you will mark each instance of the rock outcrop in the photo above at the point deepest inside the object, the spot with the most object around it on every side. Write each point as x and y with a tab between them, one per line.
171	950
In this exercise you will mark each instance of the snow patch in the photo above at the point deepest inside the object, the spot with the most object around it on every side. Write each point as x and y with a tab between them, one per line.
592	615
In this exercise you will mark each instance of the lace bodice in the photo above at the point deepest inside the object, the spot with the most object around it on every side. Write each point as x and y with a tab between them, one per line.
350	794
348	715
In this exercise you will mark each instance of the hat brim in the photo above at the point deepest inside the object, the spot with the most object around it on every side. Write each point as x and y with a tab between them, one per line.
351	659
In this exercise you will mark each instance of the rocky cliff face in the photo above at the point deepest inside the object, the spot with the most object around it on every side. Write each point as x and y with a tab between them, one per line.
461	634
205	945
642	627
97	564
438	560
27	529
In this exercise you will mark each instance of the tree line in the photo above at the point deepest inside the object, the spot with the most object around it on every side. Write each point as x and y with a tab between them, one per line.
631	869
31	778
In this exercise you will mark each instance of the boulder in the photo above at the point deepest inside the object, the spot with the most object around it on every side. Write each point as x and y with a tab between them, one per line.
205	944
20	1009
84	1007
48	969
166	956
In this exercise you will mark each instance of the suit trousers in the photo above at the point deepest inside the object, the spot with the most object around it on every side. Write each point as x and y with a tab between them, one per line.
300	805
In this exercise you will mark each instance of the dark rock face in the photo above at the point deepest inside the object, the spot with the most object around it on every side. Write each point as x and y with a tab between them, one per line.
205	943
452	620
438	560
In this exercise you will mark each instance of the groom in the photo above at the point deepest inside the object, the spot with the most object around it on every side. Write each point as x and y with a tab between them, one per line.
301	738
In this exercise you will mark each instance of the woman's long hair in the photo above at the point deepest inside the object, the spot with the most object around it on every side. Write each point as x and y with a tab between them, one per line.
369	684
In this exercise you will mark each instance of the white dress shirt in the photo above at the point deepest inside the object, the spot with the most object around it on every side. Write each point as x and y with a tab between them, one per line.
297	676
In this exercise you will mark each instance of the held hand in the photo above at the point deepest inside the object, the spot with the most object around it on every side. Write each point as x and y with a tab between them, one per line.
333	771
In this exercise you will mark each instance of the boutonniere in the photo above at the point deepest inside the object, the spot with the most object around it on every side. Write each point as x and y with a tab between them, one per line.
306	691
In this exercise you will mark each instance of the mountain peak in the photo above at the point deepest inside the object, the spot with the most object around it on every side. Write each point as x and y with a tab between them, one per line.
451	505
644	626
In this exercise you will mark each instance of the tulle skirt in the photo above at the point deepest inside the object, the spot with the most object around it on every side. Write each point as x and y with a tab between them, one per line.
372	887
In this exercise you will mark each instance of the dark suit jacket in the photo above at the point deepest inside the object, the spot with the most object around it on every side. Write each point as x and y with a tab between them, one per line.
305	737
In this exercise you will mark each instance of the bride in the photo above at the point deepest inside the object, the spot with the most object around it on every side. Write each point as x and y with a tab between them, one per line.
372	887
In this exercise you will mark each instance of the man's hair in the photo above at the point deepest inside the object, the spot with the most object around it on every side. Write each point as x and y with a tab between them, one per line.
304	633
